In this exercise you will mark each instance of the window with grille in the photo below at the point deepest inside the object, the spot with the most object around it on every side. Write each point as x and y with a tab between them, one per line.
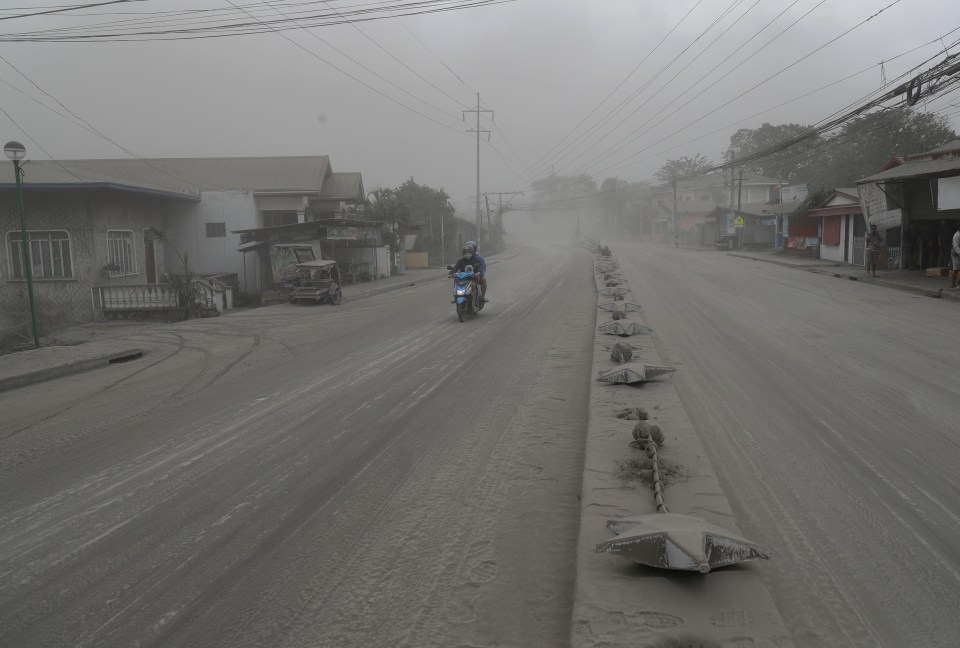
49	255
120	252
216	230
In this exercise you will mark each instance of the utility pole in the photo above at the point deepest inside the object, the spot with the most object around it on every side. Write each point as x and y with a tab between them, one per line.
676	235
478	130
496	228
739	195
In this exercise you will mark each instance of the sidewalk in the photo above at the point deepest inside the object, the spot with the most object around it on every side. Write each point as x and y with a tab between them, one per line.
912	281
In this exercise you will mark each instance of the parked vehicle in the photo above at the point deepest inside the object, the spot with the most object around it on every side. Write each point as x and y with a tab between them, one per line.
466	292
316	281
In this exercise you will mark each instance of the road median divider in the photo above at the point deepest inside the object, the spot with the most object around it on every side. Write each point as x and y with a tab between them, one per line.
642	450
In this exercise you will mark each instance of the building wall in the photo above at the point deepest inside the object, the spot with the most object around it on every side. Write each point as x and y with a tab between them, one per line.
187	234
834	252
86	216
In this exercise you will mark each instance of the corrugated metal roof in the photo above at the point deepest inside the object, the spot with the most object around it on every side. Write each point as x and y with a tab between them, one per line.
343	185
946	167
187	176
953	145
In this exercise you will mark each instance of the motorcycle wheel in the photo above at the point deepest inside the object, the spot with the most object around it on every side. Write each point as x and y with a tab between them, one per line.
460	311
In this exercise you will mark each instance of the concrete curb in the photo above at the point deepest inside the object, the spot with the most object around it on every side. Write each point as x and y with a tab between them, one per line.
938	293
618	603
785	264
67	368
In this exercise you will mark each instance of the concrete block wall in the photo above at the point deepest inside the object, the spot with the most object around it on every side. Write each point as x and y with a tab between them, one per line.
86	216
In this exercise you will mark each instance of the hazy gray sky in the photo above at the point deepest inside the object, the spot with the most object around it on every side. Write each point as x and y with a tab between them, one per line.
542	65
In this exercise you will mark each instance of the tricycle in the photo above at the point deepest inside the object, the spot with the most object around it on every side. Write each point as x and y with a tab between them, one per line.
319	281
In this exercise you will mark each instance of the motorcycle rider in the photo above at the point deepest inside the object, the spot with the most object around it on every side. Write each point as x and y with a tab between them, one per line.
471	258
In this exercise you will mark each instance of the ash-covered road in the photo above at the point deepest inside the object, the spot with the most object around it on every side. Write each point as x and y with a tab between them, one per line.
831	413
377	474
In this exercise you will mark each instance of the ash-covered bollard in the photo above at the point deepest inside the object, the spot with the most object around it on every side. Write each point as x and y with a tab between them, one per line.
621	353
633	414
618	315
646	432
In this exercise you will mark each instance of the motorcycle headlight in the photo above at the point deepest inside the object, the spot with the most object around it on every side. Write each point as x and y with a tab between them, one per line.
461	291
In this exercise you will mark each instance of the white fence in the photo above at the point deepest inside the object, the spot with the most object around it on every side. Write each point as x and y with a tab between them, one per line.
137	297
212	294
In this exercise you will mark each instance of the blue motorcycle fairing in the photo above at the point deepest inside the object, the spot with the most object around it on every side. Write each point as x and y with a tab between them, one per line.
461	299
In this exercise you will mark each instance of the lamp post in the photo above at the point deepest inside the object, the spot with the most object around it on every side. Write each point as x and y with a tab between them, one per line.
16	152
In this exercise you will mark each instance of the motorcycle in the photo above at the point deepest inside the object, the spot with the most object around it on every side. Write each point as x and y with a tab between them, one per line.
466	292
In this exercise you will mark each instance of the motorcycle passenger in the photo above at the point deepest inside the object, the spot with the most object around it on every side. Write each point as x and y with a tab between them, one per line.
477	262
483	268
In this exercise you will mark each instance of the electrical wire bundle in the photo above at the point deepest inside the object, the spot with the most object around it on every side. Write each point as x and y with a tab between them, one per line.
239	20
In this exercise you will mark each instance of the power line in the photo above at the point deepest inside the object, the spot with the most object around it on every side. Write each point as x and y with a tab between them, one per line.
534	166
391	55
745	92
797	98
228	29
361	82
69	8
435	55
90	127
39	145
674	77
368	69
639	130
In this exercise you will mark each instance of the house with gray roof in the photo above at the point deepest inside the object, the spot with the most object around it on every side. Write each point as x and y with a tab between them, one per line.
132	222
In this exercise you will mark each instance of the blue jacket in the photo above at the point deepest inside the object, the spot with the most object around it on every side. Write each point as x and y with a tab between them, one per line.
475	261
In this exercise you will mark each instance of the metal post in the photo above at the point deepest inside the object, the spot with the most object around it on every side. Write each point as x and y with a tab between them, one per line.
479	221
739	215
25	256
676	235
478	130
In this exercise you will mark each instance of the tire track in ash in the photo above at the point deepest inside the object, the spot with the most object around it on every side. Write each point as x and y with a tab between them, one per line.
181	344
191	384
318	500
223	372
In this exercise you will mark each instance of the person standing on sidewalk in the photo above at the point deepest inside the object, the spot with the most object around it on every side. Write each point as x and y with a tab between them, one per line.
872	243
955	258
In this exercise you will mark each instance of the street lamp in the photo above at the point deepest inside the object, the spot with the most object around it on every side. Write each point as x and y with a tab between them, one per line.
16	152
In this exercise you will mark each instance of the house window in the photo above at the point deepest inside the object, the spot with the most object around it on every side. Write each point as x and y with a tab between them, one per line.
120	252
49	255
216	230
